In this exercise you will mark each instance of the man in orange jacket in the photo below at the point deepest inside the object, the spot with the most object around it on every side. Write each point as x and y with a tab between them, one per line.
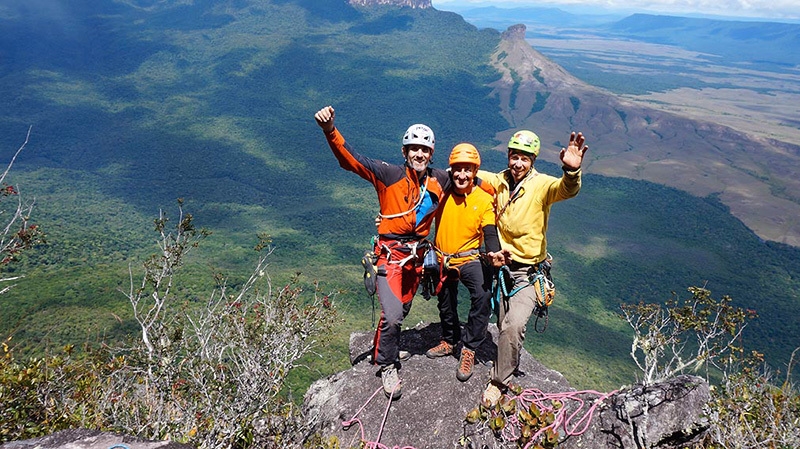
408	196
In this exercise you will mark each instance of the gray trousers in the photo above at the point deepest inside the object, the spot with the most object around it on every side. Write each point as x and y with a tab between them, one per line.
512	319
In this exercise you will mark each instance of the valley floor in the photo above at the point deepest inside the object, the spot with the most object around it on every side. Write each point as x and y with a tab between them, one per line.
747	98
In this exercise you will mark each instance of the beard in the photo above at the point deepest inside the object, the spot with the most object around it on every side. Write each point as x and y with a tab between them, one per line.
418	166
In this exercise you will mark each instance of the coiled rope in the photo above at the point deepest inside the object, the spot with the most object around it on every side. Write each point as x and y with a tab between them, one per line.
545	402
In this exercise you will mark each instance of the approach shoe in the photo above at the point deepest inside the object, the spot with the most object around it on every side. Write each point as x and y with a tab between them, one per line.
465	364
391	382
491	396
442	349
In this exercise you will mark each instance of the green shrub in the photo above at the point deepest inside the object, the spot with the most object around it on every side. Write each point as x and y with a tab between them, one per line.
44	395
210	373
751	408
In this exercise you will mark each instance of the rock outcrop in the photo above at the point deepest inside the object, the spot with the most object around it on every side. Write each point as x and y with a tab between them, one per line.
666	415
91	439
421	4
432	410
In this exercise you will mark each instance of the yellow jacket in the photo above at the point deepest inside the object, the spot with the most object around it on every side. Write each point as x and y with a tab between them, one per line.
522	222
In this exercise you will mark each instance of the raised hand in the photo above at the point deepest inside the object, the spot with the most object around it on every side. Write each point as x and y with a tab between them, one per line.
572	156
324	118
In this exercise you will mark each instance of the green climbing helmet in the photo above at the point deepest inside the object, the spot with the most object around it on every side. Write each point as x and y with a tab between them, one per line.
525	141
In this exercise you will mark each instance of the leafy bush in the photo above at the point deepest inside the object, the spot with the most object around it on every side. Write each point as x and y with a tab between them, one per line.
43	395
751	409
211	374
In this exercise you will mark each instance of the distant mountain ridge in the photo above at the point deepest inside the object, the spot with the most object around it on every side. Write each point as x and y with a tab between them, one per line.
410	3
632	141
737	41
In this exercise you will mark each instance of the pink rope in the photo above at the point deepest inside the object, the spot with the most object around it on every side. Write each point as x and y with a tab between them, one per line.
511	431
374	444
562	418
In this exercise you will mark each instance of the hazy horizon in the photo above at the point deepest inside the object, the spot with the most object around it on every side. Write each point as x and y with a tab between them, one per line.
764	10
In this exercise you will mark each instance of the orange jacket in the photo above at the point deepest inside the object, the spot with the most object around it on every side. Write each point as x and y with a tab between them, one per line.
398	188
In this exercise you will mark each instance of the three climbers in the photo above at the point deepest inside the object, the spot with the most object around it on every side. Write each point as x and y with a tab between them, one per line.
505	213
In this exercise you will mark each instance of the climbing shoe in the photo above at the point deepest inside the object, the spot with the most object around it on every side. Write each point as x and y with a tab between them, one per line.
465	364
442	349
391	382
491	396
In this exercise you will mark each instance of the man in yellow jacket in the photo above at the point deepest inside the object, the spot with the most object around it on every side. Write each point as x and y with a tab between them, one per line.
523	200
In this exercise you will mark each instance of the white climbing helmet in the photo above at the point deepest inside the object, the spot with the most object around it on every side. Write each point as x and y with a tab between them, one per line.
419	134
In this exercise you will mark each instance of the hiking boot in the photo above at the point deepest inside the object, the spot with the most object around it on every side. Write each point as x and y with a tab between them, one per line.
491	396
443	349
465	364
391	382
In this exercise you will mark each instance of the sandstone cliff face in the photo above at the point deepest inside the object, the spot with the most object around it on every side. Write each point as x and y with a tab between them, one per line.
421	4
432	410
631	141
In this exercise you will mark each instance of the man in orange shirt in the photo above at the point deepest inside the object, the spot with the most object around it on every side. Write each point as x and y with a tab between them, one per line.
464	223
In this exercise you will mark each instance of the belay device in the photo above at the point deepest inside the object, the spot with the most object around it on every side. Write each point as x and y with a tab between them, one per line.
431	274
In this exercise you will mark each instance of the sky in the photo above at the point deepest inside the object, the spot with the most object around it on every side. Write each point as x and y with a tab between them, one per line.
753	9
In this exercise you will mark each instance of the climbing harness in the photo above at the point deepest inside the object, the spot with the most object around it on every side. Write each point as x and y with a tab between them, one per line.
446	257
409	246
542	283
436	267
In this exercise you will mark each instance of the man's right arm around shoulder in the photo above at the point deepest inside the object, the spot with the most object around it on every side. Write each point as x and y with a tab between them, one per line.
493	179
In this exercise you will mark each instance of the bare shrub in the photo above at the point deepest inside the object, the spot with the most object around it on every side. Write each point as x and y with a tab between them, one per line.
17	233
213	374
692	333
